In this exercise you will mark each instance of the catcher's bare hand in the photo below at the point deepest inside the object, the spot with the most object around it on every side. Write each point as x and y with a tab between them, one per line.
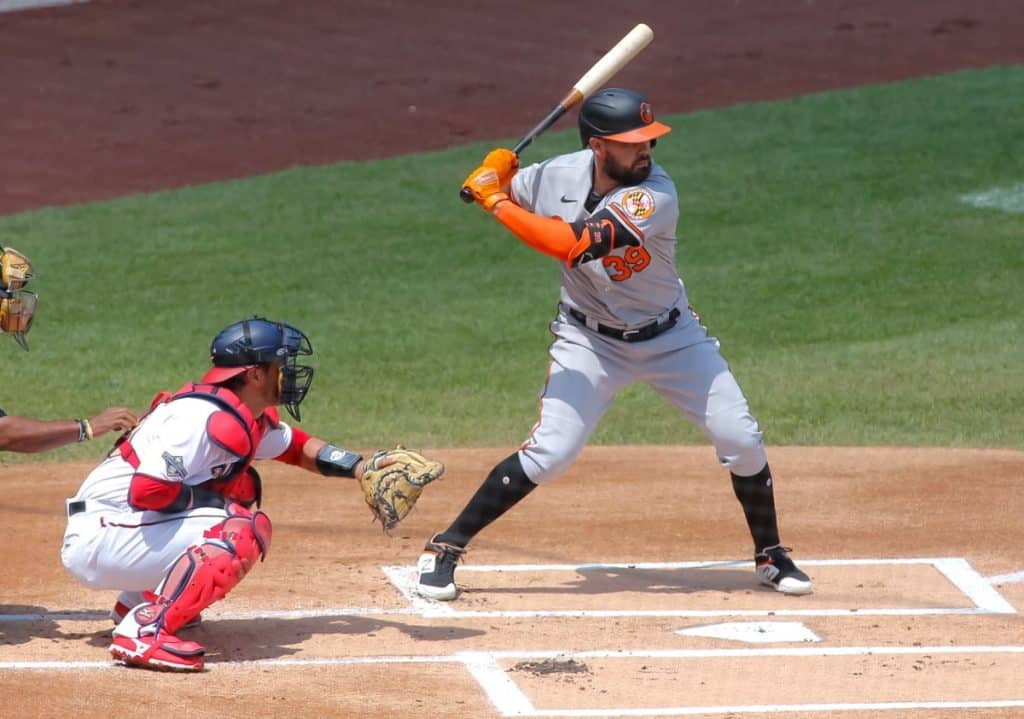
392	481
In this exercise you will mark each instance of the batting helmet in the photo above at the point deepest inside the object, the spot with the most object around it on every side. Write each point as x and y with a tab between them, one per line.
620	115
261	341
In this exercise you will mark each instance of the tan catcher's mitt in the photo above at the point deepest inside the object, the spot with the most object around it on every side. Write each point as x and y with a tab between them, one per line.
393	480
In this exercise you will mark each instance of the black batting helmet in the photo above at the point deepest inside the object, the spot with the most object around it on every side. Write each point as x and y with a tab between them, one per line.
620	115
261	341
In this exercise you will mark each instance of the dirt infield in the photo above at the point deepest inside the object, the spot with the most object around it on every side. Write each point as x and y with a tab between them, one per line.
915	552
584	617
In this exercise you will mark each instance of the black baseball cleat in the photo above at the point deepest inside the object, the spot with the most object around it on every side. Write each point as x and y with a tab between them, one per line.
775	569
437	570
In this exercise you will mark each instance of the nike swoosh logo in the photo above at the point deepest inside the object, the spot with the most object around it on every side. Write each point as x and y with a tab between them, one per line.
566	199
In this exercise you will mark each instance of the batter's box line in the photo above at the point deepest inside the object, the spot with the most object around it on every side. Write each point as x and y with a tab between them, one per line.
511	701
957	570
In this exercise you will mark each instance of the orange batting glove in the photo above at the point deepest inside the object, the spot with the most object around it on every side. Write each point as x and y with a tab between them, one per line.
505	163
485	184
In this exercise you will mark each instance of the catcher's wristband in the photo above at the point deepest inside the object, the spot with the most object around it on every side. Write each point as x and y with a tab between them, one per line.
333	461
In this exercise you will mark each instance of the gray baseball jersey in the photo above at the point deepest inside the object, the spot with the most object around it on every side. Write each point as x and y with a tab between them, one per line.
633	285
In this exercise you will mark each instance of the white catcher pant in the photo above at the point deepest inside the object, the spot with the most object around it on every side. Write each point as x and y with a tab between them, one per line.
683	365
130	551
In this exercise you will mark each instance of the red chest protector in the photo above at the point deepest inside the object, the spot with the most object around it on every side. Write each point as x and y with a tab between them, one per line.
232	428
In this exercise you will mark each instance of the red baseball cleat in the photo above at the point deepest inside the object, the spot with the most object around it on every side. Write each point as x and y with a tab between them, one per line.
146	645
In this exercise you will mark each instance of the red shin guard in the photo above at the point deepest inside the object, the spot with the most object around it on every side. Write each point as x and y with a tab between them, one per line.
206	572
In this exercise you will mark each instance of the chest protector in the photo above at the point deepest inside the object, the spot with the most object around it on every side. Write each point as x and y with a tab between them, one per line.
232	427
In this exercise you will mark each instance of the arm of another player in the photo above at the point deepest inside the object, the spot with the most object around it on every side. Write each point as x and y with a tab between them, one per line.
24	434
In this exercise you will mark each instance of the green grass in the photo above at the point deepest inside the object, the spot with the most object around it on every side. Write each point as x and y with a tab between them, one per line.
821	239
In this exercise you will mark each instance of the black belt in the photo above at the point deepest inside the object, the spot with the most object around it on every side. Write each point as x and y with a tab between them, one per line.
75	507
640	334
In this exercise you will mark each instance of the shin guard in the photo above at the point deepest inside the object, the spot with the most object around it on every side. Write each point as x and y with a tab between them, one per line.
206	572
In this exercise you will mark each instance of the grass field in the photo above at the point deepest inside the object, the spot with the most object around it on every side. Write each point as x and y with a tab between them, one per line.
822	239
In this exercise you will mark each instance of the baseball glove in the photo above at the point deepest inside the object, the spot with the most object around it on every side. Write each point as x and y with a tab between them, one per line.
393	480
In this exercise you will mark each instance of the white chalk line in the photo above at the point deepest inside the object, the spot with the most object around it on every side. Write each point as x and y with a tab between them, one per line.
511	701
503	692
325	613
494	656
964	577
771	709
1011	578
957	571
507	697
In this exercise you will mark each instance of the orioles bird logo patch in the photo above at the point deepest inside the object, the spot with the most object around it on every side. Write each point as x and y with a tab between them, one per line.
646	114
638	203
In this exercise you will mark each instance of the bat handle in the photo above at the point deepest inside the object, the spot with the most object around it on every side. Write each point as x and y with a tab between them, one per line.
571	99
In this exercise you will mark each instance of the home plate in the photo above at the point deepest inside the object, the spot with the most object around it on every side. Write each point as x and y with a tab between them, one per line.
754	632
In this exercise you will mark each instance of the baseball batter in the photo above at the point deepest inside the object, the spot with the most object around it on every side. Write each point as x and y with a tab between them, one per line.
608	213
171	517
24	434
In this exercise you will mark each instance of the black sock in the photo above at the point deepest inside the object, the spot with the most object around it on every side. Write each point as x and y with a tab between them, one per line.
758	500
504	487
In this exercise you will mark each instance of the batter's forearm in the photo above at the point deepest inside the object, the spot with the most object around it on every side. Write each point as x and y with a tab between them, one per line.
552	236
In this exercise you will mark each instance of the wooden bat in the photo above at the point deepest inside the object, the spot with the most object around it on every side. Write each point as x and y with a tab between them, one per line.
610	63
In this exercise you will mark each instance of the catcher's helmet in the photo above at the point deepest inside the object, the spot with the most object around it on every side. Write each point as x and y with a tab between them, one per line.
17	305
260	341
619	115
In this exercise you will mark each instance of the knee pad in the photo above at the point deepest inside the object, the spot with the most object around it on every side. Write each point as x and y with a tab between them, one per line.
206	572
245	533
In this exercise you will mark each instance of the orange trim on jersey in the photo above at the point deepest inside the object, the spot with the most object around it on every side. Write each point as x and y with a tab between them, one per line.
550	235
540	400
530	440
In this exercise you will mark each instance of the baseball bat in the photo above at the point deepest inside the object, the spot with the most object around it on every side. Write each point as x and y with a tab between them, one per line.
600	72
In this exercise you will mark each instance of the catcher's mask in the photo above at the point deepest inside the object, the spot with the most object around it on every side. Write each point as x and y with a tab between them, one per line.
620	115
261	341
17	305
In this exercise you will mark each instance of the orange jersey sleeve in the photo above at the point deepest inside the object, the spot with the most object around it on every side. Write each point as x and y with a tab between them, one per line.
550	235
570	242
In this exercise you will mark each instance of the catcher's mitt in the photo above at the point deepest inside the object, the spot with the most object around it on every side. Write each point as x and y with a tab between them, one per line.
392	481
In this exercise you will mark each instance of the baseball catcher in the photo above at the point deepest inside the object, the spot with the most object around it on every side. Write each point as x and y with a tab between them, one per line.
172	518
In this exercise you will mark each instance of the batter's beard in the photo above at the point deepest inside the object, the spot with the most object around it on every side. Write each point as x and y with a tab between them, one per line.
623	175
